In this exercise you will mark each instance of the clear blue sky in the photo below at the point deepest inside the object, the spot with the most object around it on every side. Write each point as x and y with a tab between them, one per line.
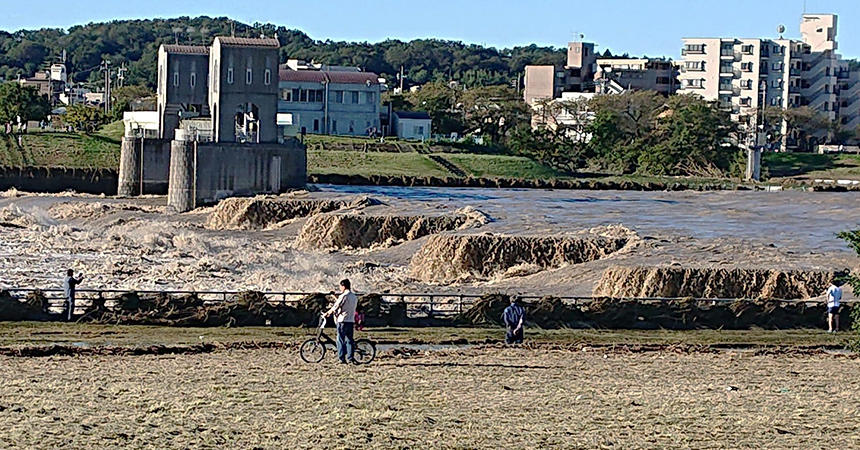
652	27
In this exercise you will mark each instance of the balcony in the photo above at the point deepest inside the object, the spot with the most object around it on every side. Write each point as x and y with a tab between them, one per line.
692	51
794	72
727	53
726	89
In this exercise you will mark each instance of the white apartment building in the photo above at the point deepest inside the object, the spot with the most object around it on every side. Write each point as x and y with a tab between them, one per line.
745	75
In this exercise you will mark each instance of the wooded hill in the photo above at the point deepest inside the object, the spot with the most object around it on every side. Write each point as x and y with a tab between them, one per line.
135	43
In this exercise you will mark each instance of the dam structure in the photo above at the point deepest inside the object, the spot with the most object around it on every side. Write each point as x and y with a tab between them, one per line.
215	132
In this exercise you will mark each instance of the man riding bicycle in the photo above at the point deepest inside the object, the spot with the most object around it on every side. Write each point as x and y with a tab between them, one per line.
343	311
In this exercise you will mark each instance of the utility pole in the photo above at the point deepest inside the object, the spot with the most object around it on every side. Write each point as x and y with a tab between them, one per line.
401	80
105	67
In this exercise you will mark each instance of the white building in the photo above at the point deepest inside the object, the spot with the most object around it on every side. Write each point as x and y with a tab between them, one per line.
414	125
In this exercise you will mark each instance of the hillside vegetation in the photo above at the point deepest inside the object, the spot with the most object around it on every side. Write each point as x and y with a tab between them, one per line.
135	44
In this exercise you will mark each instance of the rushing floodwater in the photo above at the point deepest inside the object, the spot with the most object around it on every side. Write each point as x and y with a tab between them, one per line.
807	220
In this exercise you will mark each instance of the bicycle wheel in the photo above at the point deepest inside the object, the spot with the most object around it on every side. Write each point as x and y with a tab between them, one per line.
312	351
365	351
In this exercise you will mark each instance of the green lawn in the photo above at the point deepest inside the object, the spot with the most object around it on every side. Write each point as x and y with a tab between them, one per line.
495	166
811	165
372	163
60	149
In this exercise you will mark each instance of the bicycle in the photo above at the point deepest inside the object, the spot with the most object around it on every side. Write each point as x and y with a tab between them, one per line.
313	350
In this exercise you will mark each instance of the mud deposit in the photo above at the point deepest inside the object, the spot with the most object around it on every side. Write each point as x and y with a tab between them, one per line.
401	240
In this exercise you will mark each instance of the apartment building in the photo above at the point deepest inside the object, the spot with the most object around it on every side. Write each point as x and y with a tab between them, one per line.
586	72
747	75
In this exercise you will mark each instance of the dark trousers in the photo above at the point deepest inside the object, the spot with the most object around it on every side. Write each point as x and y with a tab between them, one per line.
345	341
513	338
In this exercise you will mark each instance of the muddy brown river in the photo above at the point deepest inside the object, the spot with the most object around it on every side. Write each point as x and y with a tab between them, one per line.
136	243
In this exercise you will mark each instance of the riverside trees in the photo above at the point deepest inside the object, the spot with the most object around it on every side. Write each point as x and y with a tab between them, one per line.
636	132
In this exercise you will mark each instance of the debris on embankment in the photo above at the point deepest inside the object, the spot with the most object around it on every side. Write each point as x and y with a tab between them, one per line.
679	314
707	282
451	257
33	308
259	212
336	230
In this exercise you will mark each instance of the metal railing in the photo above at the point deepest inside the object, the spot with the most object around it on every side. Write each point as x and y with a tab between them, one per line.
418	305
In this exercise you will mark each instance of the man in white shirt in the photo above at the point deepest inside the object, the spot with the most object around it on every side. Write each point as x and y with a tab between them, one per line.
834	298
343	311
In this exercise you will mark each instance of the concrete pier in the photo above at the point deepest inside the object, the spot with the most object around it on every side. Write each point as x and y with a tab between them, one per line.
130	167
181	188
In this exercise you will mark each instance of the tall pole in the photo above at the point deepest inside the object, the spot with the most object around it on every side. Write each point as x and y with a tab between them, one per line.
401	79
106	69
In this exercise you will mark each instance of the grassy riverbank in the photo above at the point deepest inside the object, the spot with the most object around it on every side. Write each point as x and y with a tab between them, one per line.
352	156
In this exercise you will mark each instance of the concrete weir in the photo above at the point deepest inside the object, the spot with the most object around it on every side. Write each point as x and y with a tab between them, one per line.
205	173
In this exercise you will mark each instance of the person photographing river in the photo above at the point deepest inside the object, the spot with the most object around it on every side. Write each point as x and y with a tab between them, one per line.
70	284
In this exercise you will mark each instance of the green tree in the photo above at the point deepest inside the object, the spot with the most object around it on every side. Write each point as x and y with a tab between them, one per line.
84	118
853	240
24	101
693	137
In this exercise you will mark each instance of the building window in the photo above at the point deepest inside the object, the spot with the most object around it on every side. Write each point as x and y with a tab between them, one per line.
229	75
776	83
249	76
267	78
355	97
334	126
287	95
176	78
370	97
295	96
320	95
695	84
746	84
338	96
777	66
418	130
746	101
193	79
747	66
826	106
316	125
695	66
748	49
303	95
694	48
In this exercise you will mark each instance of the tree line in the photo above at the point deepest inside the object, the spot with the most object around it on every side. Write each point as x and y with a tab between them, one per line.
639	132
135	43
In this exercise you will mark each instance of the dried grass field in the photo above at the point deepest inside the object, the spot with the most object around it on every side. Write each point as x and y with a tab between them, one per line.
482	397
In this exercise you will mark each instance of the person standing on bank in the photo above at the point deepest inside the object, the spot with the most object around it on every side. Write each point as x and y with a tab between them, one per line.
70	284
513	318
834	299
343	311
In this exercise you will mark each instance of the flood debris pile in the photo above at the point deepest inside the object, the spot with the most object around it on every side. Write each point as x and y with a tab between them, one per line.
704	282
337	230
452	257
682	314
260	212
33	308
246	309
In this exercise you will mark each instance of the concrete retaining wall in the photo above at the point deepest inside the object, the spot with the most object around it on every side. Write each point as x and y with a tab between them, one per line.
53	180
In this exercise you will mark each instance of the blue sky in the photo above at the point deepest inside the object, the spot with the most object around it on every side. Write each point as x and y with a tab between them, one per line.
652	27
